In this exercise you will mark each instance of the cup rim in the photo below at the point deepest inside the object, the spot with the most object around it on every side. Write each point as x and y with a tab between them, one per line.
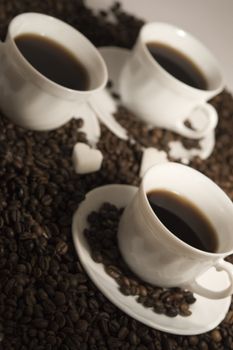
170	76
152	216
39	77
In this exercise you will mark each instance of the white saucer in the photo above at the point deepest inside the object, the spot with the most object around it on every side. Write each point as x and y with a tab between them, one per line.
206	313
115	58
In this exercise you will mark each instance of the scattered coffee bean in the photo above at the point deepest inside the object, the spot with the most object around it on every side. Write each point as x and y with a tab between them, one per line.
216	336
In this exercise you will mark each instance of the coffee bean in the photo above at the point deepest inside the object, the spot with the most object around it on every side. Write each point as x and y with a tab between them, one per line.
159	307
134	340
59	298
113	271
51	340
82	325
61	248
203	345
114	326
114	343
216	336
142	291
172	312
74	315
184	309
123	333
193	340
54	326
40	323
49	306
229	317
125	290
149	302
60	320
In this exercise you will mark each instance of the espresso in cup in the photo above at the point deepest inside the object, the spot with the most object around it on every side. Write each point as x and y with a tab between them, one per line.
54	61
184	219
49	72
177	227
178	64
168	77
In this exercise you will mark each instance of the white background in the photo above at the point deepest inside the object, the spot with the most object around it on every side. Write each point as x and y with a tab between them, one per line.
209	20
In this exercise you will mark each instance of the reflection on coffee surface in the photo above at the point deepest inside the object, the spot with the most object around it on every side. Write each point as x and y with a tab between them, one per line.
178	64
184	219
54	61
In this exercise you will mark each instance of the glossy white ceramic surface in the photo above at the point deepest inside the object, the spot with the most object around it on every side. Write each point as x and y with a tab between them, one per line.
28	97
115	58
206	313
158	256
157	97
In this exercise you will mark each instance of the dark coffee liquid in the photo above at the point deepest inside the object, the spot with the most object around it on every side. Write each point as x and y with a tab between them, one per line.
53	61
184	219
177	64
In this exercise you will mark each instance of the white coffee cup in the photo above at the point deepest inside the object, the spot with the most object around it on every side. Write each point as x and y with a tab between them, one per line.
156	96
154	253
28	97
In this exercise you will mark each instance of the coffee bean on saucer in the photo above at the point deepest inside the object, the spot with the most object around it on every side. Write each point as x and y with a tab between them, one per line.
184	309
103	228
172	312
113	271
159	307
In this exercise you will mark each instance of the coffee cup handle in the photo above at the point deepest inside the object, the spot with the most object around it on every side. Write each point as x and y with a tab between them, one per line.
211	116
221	265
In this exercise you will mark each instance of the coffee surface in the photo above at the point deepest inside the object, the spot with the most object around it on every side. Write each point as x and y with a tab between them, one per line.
178	64
184	219
54	61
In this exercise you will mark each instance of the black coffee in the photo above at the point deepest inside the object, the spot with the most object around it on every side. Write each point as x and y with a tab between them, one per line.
184	219
177	64
54	61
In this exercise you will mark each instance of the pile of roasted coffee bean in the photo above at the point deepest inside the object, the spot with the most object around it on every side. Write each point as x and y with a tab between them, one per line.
46	299
102	238
218	166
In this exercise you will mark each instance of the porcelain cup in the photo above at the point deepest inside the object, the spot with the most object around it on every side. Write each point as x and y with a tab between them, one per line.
157	97
155	254
28	97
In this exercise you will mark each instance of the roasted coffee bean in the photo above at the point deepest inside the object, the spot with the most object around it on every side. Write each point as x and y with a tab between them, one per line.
114	326
60	319
82	325
123	333
113	271
184	309
61	248
216	336
40	323
49	306
193	340
172	312
159	307
133	338
59	298
74	315
142	291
